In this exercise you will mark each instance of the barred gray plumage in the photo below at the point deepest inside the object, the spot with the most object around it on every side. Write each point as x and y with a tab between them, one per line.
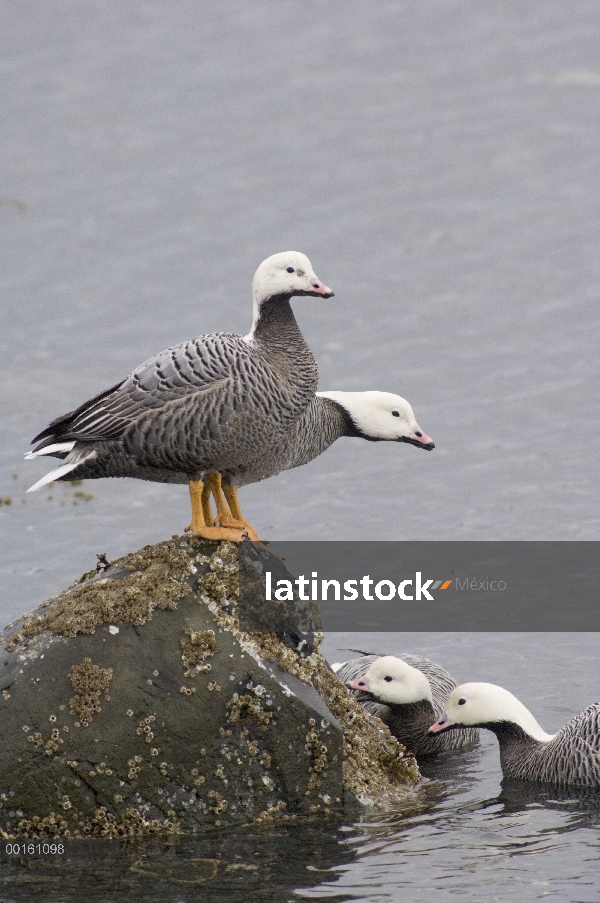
387	688
527	752
203	405
376	416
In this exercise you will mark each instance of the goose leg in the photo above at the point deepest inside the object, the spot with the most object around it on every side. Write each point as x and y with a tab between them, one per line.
225	516
230	493
209	519
201	513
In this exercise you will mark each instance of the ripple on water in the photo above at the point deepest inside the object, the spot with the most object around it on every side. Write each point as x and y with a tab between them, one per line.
525	843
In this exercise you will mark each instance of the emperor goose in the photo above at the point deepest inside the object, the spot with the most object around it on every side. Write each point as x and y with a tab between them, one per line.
200	407
405	691
528	753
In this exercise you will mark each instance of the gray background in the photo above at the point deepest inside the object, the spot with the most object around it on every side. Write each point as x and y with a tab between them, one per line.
440	164
439	161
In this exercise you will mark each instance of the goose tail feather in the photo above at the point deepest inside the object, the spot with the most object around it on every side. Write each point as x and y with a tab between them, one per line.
76	458
60	449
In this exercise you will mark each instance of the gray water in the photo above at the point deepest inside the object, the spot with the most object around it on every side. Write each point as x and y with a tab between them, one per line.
473	836
439	162
486	839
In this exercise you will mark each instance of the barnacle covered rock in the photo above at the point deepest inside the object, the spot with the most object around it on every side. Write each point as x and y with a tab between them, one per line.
133	704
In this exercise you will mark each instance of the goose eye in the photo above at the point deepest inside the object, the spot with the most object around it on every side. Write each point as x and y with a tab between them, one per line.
395	413
388	679
461	701
291	270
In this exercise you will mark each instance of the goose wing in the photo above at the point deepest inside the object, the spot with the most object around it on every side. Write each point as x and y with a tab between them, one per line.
172	407
573	755
200	367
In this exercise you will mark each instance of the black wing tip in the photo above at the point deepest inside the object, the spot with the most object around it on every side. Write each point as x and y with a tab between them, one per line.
45	434
58	429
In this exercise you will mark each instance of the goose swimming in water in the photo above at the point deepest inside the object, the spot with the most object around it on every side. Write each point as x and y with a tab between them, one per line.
528	753
405	691
376	416
202	406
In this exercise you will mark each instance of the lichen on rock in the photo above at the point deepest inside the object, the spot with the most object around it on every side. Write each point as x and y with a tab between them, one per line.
139	583
248	708
198	645
88	681
258	728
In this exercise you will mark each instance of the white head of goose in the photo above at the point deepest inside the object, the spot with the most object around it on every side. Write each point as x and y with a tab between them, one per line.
283	276
392	681
380	417
527	752
202	406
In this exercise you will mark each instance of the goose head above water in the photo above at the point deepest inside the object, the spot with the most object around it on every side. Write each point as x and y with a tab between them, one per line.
285	275
380	416
394	682
487	705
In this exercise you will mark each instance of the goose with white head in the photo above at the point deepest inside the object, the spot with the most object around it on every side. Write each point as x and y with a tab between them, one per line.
527	752
375	416
405	691
200	407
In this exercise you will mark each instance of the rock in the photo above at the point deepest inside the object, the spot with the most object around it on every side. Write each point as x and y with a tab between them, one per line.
133	704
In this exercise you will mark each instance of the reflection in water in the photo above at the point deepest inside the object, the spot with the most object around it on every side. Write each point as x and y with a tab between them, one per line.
253	864
524	841
582	804
523	852
527	837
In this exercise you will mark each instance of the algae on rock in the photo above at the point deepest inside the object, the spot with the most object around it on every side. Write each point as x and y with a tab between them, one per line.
134	704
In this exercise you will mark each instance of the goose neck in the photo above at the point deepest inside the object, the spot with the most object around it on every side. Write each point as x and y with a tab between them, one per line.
275	321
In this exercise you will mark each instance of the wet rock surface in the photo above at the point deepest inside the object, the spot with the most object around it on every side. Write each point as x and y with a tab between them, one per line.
133	704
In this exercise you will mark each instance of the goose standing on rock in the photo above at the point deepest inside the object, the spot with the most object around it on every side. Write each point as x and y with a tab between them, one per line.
405	691
528	753
376	416
202	406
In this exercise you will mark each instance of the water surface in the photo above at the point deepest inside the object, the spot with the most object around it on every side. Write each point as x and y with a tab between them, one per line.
440	164
470	835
